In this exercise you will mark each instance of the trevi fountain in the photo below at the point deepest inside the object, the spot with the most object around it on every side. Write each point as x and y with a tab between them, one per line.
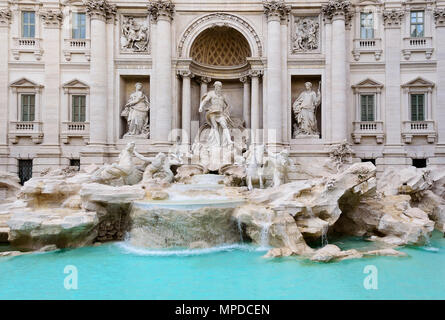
219	206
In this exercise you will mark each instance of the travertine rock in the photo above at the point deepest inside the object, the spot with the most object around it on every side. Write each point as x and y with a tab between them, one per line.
267	227
390	219
9	186
63	228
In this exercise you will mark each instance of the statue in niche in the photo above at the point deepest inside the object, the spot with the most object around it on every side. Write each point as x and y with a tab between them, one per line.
217	116
134	35
304	109
136	112
306	35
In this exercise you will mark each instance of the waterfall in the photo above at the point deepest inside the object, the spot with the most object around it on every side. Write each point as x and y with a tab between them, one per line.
264	236
240	229
324	235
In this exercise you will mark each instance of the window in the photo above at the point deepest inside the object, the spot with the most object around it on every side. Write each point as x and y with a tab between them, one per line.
28	24
28	107
366	25
25	170
417	23
417	107
419	163
78	108
75	163
369	160
79	26
367	107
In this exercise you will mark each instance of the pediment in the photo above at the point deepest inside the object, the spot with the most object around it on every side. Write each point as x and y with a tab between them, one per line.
24	83
418	82
368	83
75	84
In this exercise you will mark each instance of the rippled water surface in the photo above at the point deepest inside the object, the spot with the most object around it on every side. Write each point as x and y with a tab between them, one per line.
118	271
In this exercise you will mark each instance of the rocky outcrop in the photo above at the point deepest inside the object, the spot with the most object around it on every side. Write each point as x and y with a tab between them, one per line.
63	228
390	219
9	186
267	227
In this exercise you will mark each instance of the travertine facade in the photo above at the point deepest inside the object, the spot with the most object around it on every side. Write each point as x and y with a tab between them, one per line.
69	69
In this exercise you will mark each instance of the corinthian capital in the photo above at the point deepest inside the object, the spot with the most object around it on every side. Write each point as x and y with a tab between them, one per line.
393	18
100	9
161	9
5	16
51	18
276	9
337	9
439	16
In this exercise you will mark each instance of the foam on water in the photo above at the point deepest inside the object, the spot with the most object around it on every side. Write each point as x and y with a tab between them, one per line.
129	249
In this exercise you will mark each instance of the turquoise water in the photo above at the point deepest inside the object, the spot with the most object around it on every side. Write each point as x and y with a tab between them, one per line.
116	271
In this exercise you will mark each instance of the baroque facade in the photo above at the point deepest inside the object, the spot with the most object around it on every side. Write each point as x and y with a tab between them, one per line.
79	80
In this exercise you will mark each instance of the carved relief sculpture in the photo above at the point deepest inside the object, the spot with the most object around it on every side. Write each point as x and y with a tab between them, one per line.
304	109
306	34
136	112
134	37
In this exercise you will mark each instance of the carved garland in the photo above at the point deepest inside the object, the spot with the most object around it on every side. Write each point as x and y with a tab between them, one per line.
219	16
51	18
439	16
5	16
393	17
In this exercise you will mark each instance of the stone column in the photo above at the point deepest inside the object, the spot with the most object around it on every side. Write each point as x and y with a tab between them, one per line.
246	100
52	19
5	16
439	15
186	105
392	21
338	10
285	129
204	83
98	11
255	106
326	116
274	11
162	14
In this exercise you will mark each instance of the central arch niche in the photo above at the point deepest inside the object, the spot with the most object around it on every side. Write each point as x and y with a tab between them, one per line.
220	47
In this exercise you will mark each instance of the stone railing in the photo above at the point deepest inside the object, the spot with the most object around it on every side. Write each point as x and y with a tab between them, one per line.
23	45
75	130
31	129
81	46
368	129
364	46
417	44
419	128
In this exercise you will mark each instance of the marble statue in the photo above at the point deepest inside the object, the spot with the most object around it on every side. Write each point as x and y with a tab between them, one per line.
136	111
254	161
304	109
159	169
123	172
306	35
134	35
279	163
217	116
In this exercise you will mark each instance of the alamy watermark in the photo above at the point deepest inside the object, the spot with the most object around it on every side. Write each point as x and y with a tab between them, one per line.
371	281
71	280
